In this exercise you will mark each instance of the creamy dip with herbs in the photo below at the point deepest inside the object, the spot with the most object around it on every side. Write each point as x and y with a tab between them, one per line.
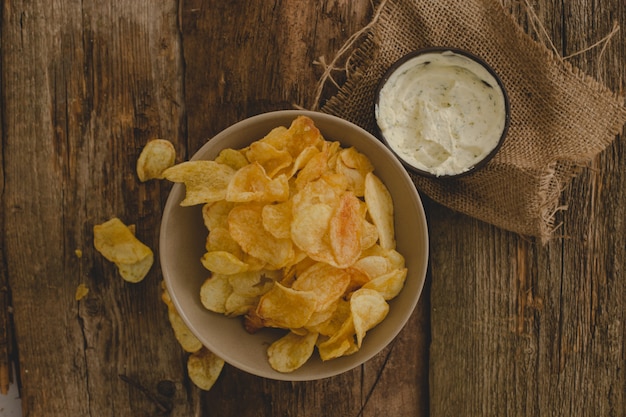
441	112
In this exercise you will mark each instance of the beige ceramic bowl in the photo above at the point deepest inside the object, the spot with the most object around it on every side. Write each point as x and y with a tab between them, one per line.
183	238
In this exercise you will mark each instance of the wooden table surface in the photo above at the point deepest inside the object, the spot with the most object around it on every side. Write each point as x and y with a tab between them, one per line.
505	326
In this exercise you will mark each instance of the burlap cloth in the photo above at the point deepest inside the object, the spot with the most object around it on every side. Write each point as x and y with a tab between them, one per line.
560	118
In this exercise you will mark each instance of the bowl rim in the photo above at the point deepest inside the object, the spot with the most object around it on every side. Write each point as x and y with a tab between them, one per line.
442	49
331	370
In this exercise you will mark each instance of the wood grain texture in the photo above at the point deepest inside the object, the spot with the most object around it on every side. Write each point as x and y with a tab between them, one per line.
85	85
524	329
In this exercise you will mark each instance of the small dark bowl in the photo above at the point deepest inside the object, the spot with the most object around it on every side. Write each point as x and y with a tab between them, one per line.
443	50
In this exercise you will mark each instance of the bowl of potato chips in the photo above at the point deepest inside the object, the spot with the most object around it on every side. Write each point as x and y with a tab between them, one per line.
294	245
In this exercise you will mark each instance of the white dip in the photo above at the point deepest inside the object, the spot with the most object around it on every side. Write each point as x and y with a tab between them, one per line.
441	112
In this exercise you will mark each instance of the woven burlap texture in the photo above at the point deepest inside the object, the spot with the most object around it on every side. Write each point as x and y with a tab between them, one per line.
560	117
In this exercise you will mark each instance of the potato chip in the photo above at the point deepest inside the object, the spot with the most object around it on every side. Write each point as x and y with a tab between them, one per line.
203	368
245	223
223	262
388	285
278	137
116	242
302	159
276	219
214	292
345	228
215	214
187	340
136	271
272	160
233	158
368	308
321	316
380	208
239	304
303	133
286	308
325	281
155	157
291	351
354	166
251	183
205	181
373	265
396	260
369	235
219	239
316	166
253	283
340	343
308	230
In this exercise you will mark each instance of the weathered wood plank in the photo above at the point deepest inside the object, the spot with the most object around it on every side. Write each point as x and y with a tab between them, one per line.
521	329
85	85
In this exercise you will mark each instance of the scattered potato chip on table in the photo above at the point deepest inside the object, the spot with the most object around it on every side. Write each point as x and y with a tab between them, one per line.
118	244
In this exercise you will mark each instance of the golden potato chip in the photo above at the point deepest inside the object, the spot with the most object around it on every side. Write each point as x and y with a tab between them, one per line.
187	340
272	160
345	228
203	368
333	324
320	317
155	157
396	260
368	308
239	304
136	271
220	239
354	166
245	223
303	158
309	229
354	159
214	292
325	281
215	214
380	208
369	235
251	183
278	137
277	219
233	158
222	262
205	181
286	308
316	166
303	133
116	242
373	265
340	343
291	351
253	283
388	285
